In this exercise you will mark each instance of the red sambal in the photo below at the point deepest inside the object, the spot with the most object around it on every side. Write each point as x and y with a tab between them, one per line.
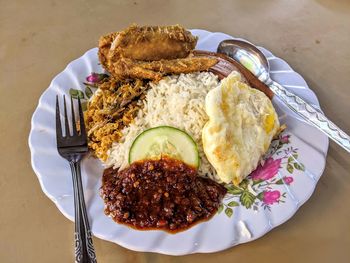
162	194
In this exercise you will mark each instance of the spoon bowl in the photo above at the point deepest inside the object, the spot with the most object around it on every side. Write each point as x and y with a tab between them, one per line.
248	55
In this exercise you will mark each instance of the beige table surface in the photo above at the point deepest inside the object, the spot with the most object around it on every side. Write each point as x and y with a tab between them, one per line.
39	38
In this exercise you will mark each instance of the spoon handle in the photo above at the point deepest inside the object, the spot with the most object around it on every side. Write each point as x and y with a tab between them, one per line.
311	115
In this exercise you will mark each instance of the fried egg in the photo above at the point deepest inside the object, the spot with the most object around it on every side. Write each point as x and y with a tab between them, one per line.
242	122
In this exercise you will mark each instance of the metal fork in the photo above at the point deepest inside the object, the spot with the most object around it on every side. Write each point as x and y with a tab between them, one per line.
73	147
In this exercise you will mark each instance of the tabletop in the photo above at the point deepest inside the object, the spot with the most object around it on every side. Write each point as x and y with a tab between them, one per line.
39	38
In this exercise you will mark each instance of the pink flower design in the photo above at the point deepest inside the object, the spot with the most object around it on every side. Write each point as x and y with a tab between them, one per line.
285	139
94	78
288	180
270	197
266	171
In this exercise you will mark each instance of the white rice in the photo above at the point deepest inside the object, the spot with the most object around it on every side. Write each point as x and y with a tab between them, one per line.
177	101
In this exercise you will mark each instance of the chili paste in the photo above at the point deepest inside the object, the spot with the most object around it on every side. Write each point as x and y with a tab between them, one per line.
162	194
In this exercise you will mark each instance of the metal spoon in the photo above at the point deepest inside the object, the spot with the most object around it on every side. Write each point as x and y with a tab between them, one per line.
254	60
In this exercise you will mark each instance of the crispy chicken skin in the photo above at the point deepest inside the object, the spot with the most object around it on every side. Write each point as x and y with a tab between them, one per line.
149	52
156	69
153	43
104	45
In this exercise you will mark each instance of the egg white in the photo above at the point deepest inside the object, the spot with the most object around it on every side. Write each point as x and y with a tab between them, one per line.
242	123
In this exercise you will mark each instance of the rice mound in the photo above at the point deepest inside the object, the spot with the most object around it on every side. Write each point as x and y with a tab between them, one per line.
178	101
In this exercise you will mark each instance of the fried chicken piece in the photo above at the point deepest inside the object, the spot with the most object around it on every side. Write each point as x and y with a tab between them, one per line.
146	43
155	70
149	52
104	46
152	43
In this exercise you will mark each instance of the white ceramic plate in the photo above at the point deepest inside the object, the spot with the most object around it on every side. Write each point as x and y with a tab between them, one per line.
270	197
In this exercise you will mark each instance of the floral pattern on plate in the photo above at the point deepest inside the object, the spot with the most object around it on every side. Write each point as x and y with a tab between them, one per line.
259	188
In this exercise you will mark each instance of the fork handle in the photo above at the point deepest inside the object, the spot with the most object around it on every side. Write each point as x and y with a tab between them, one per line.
84	249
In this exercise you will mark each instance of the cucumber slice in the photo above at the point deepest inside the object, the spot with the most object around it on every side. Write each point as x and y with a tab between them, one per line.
164	141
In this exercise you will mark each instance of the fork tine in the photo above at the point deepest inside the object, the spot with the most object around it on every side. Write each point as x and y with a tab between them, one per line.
66	117
74	125
58	120
81	120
